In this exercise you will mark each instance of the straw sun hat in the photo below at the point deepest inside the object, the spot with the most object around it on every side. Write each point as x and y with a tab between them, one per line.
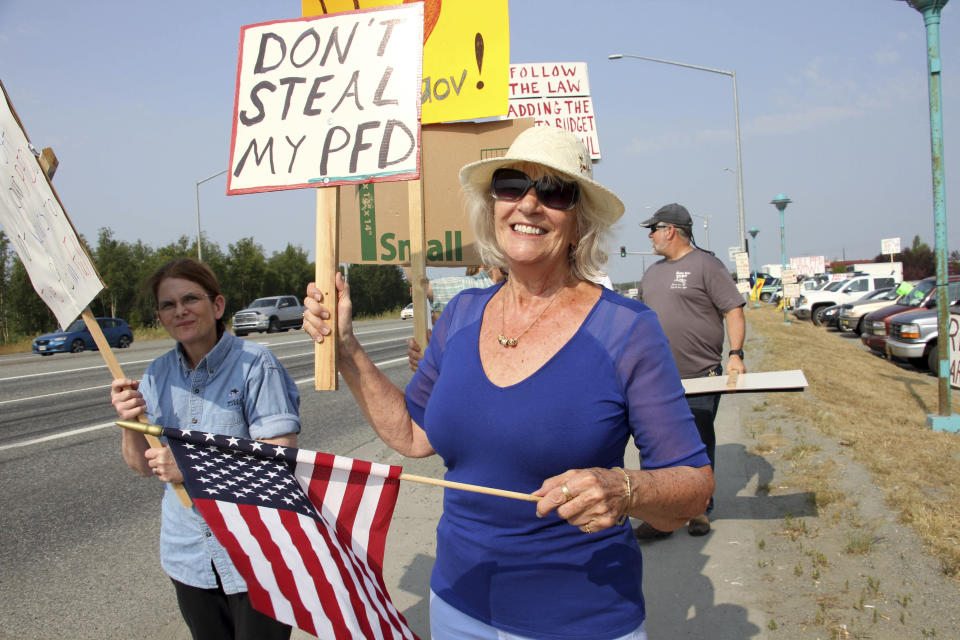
555	149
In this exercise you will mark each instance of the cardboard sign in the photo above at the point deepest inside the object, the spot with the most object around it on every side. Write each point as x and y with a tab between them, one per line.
466	51
954	333
374	220
555	94
59	267
767	381
327	100
743	265
808	265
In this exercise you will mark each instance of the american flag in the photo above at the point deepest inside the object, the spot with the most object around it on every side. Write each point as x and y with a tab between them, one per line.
306	530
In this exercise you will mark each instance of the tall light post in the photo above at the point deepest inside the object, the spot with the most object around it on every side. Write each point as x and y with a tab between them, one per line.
736	116
945	420
199	182
753	234
781	202
706	229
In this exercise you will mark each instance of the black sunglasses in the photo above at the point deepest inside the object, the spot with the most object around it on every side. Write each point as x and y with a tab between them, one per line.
511	185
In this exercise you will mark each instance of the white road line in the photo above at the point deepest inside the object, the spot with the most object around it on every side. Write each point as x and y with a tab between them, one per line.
56	393
56	436
96	427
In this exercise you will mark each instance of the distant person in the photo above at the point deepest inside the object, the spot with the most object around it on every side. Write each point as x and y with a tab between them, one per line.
440	291
694	298
536	385
210	381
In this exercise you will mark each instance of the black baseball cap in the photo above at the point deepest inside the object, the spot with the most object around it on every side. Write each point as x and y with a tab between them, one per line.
673	213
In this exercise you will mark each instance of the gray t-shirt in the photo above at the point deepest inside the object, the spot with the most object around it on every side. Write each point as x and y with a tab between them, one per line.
690	296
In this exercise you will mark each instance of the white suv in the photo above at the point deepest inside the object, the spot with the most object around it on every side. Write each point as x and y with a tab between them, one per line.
812	304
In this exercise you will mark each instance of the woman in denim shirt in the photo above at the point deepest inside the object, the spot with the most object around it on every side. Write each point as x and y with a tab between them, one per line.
215	382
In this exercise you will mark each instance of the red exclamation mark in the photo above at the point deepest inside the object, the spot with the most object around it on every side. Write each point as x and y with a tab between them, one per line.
478	49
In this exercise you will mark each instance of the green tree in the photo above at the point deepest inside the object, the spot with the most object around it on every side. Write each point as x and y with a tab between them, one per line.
243	278
375	289
32	316
119	272
288	272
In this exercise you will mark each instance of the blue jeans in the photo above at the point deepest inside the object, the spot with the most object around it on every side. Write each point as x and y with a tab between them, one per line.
704	409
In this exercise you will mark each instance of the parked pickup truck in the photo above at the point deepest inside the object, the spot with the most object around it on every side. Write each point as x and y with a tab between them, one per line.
812	304
913	335
273	314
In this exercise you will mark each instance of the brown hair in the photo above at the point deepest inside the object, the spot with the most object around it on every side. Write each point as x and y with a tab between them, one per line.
192	270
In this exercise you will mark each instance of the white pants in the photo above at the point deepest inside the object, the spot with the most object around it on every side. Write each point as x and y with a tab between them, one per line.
448	623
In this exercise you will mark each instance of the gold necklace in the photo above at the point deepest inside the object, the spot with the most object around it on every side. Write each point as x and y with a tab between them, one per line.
509	343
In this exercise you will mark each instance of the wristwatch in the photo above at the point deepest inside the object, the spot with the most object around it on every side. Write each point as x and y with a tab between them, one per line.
736	352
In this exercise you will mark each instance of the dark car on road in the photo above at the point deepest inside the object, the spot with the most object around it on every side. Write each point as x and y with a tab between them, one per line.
876	325
77	338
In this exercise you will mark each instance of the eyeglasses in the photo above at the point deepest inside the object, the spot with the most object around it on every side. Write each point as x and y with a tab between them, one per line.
188	301
510	185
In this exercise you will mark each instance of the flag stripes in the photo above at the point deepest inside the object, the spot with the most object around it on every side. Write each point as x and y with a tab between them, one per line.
306	530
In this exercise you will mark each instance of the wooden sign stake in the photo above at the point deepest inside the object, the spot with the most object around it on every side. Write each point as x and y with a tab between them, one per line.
328	261
418	261
94	328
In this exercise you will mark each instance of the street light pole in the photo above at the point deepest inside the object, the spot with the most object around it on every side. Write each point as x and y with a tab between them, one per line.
945	420
781	202
753	234
199	182
706	228
736	115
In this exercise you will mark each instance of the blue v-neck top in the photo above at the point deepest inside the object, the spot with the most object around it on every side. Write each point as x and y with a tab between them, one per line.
496	561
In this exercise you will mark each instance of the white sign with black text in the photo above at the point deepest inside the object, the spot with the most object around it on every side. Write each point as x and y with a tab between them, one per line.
328	100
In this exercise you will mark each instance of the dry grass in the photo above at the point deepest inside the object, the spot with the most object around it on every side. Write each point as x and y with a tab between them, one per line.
879	410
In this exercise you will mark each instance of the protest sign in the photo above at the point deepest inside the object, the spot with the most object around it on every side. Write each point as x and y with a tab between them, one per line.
954	346
59	267
374	219
466	52
327	100
555	94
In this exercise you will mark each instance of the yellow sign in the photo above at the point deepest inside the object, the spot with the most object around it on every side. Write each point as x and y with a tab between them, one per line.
466	54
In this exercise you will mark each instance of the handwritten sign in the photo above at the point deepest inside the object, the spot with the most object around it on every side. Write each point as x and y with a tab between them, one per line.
328	100
954	333
466	52
808	265
555	94
889	246
31	214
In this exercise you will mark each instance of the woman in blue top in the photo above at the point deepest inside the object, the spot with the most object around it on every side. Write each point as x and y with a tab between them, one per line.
536	385
211	381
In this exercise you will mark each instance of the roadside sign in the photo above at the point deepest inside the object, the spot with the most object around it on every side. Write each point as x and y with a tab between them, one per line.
789	276
555	94
743	265
954	346
732	253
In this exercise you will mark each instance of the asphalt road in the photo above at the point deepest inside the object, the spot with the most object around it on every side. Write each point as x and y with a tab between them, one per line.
78	529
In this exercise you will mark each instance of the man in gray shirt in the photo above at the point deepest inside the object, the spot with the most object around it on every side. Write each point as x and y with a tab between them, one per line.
693	296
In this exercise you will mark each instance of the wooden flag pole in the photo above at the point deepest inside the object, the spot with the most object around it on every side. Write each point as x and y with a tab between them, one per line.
418	261
156	430
94	328
328	260
49	163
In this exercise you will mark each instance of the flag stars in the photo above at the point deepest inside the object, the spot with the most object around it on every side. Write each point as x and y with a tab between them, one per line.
280	451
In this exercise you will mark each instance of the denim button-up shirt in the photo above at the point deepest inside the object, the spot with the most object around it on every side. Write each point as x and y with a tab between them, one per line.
239	388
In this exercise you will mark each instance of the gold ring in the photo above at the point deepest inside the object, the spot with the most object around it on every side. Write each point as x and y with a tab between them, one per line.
566	492
587	528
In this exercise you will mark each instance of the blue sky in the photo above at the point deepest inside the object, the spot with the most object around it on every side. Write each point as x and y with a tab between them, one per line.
136	100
